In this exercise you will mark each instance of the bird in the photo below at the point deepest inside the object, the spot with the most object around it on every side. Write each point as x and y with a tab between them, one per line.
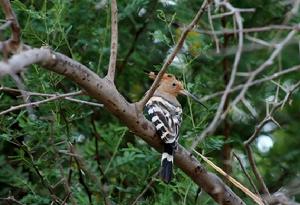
165	112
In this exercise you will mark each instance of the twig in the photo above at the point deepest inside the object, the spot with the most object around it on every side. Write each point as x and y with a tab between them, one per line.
145	189
262	67
66	184
82	170
82	181
84	102
114	41
44	181
29	93
231	12
246	173
215	122
37	103
247	48
232	180
212	29
25	97
249	30
149	16
115	151
103	181
261	42
169	60
255	82
258	176
255	134
11	199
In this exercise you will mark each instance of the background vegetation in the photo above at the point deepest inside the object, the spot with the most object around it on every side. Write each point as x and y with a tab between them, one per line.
36	152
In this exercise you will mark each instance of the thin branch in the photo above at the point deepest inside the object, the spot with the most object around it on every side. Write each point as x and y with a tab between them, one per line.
11	200
259	41
114	41
255	82
215	122
139	31
82	167
37	103
146	188
255	134
29	93
25	97
250	30
232	11
84	102
66	184
102	180
258	176
232	180
81	180
44	180
170	58
247	48
262	67
212	29
246	173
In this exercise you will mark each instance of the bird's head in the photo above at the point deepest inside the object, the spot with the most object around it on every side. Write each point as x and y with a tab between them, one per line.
169	84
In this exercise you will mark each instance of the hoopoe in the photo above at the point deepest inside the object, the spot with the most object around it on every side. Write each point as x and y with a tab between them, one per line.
165	112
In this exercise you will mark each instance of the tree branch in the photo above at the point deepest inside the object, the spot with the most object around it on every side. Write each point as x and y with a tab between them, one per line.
262	67
216	121
169	60
114	41
250	30
37	103
255	82
14	42
103	91
255	134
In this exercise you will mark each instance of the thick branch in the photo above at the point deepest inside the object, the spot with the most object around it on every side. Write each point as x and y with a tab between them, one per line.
114	41
171	57
103	91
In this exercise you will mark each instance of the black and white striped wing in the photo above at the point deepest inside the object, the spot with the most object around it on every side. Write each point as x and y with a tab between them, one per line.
165	117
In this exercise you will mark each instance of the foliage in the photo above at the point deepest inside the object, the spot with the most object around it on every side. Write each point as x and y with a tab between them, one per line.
82	30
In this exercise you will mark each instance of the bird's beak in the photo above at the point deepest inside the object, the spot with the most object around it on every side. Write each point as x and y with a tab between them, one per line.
187	93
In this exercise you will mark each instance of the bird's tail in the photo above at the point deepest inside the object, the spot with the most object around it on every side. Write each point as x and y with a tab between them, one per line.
166	172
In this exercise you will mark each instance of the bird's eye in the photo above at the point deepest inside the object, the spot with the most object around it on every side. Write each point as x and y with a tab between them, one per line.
169	76
174	84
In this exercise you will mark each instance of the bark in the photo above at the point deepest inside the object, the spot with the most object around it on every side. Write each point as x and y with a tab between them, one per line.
105	92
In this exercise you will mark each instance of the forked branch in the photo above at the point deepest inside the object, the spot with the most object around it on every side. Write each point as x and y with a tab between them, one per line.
14	42
171	57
